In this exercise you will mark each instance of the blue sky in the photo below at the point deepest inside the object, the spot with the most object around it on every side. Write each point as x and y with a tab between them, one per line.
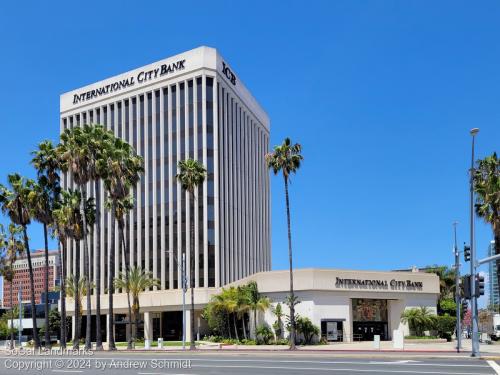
381	95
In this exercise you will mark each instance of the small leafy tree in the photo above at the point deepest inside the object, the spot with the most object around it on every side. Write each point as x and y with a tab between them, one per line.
306	328
278	324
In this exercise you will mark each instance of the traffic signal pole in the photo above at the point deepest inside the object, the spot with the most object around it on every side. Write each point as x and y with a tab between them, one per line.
473	300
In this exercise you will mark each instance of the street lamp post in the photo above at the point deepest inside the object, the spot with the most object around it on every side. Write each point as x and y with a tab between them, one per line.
457	288
20	308
475	327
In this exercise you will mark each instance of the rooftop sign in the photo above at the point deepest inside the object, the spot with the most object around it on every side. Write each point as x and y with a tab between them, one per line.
140	78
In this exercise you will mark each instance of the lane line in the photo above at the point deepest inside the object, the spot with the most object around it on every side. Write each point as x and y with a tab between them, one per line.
377	363
494	366
347	369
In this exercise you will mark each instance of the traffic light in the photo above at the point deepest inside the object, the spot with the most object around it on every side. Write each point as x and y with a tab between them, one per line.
479	279
466	292
466	252
465	305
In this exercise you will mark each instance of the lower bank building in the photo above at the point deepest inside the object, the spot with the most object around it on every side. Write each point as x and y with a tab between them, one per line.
195	105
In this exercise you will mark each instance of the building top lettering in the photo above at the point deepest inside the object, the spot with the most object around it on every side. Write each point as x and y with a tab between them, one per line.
378	284
140	78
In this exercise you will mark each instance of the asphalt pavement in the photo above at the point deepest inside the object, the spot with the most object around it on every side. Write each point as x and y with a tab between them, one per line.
150	363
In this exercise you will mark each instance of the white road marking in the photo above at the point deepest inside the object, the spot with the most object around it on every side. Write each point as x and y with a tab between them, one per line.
494	366
345	369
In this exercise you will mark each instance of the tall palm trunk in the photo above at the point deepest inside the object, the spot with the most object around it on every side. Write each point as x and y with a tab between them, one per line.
12	315
46	287
292	296
111	287
76	296
98	336
36	339
255	323
86	267
125	252
191	272
62	273
136	317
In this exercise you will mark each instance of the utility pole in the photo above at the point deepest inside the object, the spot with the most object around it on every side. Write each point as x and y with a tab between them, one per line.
473	300
457	289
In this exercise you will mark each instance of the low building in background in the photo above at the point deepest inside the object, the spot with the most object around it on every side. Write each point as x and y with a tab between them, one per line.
22	278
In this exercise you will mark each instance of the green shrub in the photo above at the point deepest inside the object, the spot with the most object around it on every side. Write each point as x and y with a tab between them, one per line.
445	326
248	342
264	334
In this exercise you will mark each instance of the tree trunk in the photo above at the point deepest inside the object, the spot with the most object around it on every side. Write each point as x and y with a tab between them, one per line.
191	273
36	339
98	336
137	315
76	296
243	326
12	316
125	252
86	267
235	328
46	287
292	296
111	287
229	326
255	323
62	273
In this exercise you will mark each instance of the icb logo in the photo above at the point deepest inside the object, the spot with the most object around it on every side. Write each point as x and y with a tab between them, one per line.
228	73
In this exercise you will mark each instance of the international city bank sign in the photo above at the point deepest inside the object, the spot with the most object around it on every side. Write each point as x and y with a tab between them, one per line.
378	284
139	78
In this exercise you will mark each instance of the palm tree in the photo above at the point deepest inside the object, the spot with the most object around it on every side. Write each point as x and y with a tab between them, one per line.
418	319
15	203
76	156
100	140
191	174
42	200
77	290
63	227
487	187
243	307
70	225
227	301
256	302
286	158
11	246
121	168
136	282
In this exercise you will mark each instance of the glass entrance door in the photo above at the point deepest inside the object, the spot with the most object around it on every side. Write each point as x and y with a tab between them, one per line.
332	330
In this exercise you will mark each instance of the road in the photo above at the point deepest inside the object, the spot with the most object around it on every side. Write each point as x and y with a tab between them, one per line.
151	363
